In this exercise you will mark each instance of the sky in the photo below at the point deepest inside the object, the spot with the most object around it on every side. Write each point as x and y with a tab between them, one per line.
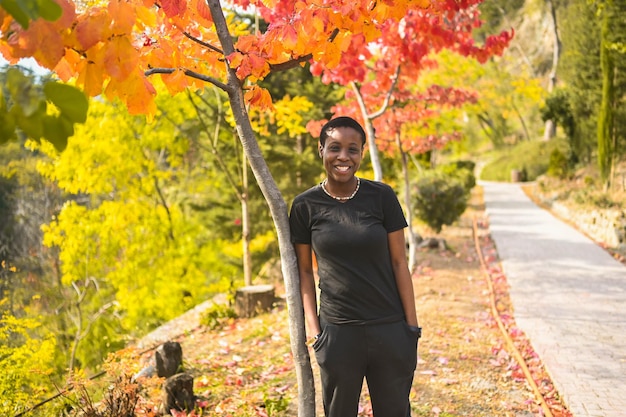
28	63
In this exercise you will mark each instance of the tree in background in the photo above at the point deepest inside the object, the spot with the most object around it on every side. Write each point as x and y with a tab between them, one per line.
580	75
592	71
133	234
612	60
379	71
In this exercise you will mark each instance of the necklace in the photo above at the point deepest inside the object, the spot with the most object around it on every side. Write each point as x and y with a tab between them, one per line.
350	197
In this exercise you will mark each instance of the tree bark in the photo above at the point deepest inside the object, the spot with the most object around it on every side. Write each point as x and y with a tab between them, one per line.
605	117
408	206
550	127
253	300
278	210
245	224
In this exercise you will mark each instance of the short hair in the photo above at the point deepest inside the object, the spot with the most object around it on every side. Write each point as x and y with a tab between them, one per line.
342	121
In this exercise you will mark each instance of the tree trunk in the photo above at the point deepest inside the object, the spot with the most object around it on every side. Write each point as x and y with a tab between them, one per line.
550	127
371	138
245	224
605	117
278	209
253	300
409	207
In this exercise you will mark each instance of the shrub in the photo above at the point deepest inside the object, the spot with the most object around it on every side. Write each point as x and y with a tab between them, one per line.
440	200
25	359
462	170
558	165
215	316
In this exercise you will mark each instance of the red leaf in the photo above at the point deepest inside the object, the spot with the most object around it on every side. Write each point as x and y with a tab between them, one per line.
173	8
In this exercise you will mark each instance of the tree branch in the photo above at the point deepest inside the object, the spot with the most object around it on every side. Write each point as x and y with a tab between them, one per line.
214	151
385	104
283	66
203	43
191	74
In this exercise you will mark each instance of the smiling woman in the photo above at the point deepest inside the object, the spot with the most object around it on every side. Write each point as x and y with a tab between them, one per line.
366	327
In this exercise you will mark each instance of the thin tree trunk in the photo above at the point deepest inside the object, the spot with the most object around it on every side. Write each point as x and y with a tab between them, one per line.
278	210
371	135
245	224
605	117
368	119
550	127
408	206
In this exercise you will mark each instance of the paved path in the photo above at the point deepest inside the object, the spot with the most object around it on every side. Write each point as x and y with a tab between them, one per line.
569	297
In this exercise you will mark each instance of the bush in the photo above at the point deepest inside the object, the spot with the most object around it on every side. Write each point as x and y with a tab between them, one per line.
215	316
558	166
463	171
440	200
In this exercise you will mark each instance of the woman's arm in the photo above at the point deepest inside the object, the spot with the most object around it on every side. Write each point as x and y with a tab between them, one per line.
397	250
307	288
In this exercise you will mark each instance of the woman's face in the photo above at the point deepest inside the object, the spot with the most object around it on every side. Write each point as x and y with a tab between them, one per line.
342	153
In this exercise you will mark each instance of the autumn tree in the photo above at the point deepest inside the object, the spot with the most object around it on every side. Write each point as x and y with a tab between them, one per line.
383	72
383	76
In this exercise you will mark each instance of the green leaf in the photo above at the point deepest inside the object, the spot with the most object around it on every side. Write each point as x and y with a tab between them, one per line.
23	11
71	101
49	10
56	130
23	92
7	124
16	10
7	128
31	124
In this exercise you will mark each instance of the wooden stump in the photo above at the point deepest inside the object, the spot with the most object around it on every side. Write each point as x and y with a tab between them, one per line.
169	359
253	300
178	394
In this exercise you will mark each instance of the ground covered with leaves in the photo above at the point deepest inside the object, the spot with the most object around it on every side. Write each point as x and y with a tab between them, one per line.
244	367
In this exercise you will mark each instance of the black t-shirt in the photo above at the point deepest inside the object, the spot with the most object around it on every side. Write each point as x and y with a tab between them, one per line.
349	239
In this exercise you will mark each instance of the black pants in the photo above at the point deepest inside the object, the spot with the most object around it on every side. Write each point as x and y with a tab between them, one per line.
384	354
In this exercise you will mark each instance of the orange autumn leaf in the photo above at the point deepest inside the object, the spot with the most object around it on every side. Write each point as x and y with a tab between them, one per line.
175	82
203	10
289	37
91	79
123	15
120	58
259	98
135	92
92	29
42	32
91	76
66	68
235	59
146	17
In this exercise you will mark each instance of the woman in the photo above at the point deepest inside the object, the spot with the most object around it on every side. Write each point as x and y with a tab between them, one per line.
367	325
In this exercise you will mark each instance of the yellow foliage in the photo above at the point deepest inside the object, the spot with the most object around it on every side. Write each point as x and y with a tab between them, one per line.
289	113
26	355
